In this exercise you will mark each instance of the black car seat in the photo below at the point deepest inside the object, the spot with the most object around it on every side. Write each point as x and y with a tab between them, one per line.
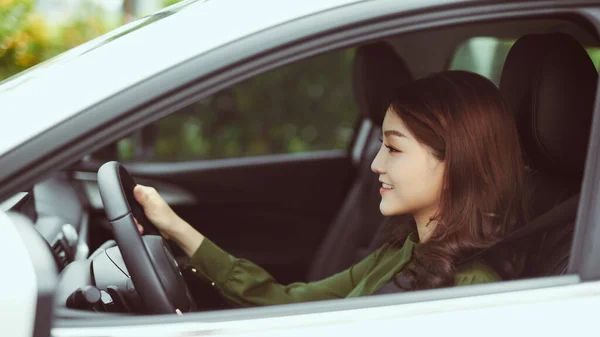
377	73
549	81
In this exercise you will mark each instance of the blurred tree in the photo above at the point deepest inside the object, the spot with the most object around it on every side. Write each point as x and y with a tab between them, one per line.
167	3
90	22
128	10
304	106
26	39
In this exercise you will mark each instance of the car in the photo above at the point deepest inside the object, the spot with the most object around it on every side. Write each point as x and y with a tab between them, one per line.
257	121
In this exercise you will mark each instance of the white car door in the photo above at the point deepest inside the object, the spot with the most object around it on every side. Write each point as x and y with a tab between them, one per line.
29	277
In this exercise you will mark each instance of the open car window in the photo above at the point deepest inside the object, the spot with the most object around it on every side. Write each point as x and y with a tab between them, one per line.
303	107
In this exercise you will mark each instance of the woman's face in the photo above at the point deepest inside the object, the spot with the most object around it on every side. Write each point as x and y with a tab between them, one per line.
410	174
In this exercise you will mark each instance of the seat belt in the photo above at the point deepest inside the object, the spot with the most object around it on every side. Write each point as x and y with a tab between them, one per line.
559	215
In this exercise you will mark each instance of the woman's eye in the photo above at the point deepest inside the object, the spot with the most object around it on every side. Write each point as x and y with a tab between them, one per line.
390	149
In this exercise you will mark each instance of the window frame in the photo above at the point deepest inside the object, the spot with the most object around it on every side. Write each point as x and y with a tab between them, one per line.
586	238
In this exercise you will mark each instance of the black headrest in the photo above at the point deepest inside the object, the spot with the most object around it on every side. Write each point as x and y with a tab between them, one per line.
378	73
549	81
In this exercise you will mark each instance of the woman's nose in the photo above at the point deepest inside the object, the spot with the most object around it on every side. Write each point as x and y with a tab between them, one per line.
377	164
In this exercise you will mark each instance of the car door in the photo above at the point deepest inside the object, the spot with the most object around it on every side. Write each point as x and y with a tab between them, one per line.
27	309
260	167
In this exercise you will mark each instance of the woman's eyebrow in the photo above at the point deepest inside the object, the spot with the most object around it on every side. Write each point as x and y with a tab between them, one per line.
393	133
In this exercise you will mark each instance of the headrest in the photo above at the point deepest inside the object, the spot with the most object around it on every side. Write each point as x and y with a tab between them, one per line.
378	73
549	82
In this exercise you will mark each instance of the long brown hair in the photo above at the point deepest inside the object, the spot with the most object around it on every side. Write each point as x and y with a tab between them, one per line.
463	120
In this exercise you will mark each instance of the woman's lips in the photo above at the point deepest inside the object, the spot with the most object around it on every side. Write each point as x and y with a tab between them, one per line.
383	190
385	187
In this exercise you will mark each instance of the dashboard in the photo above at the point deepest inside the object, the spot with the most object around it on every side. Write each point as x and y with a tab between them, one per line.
57	210
62	209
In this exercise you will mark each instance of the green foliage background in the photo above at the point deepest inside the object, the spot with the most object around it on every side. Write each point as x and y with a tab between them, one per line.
26	39
305	106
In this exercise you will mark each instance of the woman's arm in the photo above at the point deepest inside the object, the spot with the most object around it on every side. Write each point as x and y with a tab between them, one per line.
187	238
247	284
240	280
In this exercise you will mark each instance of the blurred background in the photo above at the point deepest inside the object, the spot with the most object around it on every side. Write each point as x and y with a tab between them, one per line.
32	31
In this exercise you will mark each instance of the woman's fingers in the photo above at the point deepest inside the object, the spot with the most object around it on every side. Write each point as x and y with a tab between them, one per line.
139	193
139	227
156	209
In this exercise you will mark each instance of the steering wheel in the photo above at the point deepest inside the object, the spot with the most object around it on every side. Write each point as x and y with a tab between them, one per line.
150	263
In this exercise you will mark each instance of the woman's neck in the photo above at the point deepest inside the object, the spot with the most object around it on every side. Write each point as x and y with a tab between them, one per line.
425	225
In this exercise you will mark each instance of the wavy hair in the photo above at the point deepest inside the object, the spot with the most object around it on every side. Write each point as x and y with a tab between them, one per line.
463	120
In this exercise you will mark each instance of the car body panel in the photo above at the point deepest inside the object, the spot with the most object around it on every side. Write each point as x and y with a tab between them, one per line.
540	312
19	298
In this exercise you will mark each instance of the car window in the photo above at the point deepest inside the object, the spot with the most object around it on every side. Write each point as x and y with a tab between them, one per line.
485	55
305	106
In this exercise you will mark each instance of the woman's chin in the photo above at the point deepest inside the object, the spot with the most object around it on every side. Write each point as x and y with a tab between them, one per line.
388	210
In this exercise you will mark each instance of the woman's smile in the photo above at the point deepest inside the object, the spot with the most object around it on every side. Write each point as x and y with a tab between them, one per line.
384	187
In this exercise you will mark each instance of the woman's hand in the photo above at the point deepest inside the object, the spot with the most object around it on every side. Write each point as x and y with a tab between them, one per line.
157	211
169	224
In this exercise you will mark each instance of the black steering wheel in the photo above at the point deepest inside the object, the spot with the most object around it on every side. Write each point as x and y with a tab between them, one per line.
150	263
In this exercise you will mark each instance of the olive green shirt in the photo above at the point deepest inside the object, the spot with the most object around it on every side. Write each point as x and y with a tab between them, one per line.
247	284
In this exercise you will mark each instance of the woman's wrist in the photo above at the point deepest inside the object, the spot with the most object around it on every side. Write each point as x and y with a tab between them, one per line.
177	227
186	237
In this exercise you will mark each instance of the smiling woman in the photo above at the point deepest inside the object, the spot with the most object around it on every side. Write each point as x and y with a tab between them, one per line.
463	193
462	196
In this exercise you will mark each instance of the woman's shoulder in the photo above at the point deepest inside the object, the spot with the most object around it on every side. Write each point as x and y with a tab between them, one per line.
477	271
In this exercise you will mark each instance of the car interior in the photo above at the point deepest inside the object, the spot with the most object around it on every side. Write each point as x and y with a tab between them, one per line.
308	215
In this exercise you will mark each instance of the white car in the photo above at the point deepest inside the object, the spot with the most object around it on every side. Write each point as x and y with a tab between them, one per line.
257	120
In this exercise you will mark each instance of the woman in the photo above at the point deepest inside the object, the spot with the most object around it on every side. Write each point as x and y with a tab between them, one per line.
450	157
